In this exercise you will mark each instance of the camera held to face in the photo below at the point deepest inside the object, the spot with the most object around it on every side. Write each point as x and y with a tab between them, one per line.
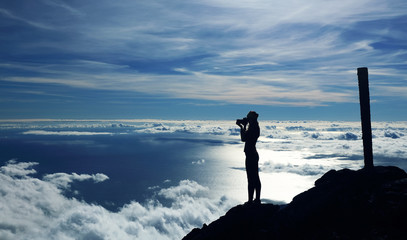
243	121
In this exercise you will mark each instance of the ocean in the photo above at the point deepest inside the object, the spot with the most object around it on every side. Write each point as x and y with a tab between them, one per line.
158	179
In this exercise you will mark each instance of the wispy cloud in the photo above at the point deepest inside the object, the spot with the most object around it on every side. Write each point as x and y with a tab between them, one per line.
8	14
255	88
289	53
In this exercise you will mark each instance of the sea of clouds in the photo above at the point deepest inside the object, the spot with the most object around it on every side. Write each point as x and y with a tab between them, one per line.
35	207
316	140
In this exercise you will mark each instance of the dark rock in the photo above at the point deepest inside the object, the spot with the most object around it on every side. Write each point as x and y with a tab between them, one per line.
240	222
345	204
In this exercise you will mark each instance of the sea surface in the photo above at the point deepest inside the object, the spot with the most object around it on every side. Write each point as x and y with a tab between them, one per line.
158	179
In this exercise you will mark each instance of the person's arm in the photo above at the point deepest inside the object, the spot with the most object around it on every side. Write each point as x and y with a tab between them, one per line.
243	133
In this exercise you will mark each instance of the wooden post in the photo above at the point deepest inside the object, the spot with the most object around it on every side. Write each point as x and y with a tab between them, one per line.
365	116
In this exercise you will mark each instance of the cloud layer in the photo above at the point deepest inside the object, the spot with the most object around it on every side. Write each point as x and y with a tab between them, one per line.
34	208
318	140
292	155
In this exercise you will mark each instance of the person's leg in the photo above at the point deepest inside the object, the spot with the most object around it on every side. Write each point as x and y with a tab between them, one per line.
250	193
250	179
257	187
257	183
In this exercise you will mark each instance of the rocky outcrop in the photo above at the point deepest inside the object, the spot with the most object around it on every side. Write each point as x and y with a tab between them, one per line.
344	204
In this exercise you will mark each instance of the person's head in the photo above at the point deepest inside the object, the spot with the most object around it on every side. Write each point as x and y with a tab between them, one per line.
252	116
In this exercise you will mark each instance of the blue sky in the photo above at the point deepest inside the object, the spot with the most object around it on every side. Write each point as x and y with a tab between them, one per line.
201	59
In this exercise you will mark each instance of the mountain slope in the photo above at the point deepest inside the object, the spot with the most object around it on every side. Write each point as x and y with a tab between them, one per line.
344	204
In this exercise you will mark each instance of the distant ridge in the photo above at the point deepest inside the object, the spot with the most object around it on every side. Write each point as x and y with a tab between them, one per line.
344	204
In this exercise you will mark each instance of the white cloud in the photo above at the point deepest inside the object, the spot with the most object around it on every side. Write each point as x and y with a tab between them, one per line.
18	169
65	133
34	208
392	91
199	162
299	169
186	189
63	180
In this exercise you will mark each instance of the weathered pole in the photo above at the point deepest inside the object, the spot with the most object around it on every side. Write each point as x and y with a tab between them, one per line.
365	116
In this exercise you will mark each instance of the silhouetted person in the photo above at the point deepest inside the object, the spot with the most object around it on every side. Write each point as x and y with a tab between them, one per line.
249	136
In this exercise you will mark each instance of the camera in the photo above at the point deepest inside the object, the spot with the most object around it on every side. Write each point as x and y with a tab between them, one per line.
243	121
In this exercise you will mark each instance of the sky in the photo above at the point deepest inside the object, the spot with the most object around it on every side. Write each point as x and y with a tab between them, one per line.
204	59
